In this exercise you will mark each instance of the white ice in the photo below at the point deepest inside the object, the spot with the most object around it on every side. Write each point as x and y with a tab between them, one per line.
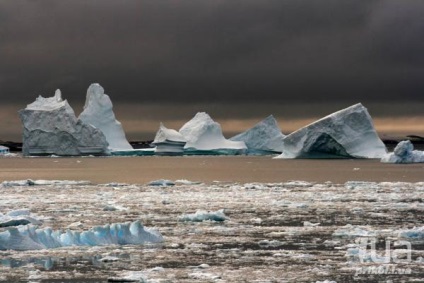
347	133
30	238
203	133
203	215
264	137
98	111
404	153
168	141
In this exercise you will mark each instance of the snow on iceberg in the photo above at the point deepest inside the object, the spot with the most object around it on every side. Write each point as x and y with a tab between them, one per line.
51	127
99	113
344	134
203	215
30	238
404	153
168	142
17	218
204	136
263	138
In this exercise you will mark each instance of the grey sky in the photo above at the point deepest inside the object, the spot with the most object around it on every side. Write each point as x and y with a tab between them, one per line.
216	51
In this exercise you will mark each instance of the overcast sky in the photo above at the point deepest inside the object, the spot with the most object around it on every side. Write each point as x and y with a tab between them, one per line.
213	50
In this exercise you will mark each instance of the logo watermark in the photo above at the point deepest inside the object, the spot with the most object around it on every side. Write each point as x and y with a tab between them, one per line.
388	259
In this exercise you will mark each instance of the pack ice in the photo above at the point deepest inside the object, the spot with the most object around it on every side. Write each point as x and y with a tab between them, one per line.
263	138
404	153
344	134
51	127
98	111
168	141
204	135
28	237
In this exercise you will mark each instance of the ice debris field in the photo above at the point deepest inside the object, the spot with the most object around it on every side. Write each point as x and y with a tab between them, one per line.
51	128
187	231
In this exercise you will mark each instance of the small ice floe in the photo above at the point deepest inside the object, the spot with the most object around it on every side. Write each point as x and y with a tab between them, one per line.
310	224
129	276
30	182
30	238
360	185
203	215
350	231
326	281
187	182
404	153
161	183
416	233
114	207
109	258
204	276
272	243
297	184
17	218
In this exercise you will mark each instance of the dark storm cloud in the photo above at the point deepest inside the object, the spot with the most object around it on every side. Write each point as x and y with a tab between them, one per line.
213	50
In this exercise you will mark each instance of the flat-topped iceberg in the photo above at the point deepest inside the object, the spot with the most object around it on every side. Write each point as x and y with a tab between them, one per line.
404	153
348	133
168	141
204	136
30	238
51	127
98	111
263	138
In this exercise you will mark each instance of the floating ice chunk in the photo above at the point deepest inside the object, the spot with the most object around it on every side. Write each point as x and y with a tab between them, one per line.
416	233
310	224
168	142
99	113
404	153
263	138
51	127
203	215
17	218
326	281
272	243
130	276
204	276
344	134
350	231
30	238
204	134
161	183
30	182
187	182
352	185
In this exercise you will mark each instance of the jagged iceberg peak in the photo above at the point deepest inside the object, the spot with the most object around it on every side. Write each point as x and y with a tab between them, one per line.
29	237
168	135
346	133
265	136
404	153
50	103
98	111
203	133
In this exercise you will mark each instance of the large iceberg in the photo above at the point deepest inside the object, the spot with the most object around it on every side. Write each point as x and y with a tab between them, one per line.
99	113
263	138
168	142
28	237
348	133
404	153
204	136
51	127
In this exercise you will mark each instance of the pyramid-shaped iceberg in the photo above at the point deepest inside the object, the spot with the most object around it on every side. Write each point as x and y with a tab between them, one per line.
263	138
348	133
204	136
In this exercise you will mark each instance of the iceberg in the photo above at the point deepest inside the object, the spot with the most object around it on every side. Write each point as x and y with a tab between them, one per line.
168	142
263	138
348	133
98	112
51	127
404	153
204	136
30	238
203	215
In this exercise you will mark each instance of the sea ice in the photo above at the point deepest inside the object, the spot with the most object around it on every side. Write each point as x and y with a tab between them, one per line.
204	135
30	182
161	183
404	153
51	127
17	218
348	133
203	215
168	142
263	138
99	113
30	238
